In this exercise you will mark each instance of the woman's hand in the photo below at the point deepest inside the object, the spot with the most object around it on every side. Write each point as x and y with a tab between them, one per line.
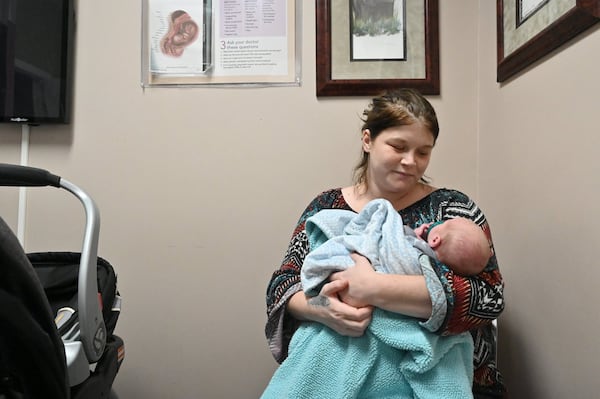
405	294
328	309
359	280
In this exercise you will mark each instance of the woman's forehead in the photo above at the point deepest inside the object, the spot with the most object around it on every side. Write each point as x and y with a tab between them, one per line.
416	133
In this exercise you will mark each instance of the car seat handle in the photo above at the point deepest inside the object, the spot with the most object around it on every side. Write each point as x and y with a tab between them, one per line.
26	176
91	323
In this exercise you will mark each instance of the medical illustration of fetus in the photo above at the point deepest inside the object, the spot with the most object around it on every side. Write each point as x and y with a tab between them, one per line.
183	31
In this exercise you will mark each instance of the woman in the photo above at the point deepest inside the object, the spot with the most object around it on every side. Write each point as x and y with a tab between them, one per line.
399	132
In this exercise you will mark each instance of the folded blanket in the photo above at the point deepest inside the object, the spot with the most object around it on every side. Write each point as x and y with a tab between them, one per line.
396	357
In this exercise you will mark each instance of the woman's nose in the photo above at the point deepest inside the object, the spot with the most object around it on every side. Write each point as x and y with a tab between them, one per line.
408	159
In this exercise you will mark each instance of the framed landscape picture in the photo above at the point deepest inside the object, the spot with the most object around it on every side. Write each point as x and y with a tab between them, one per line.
365	47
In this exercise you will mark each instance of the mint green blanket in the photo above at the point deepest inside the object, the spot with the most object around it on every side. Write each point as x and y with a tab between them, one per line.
395	358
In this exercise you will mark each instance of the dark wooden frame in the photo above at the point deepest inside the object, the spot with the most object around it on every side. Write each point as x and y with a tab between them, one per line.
579	18
326	86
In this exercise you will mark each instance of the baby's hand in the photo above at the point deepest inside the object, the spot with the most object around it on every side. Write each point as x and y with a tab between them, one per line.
420	231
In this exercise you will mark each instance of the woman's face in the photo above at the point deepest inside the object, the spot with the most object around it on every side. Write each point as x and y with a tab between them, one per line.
398	157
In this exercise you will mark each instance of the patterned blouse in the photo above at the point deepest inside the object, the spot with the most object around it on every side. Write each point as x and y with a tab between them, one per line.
471	302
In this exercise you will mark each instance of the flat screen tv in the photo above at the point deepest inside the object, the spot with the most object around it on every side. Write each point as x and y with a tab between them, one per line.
36	60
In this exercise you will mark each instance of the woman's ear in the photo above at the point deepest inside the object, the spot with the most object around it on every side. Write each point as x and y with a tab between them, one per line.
366	140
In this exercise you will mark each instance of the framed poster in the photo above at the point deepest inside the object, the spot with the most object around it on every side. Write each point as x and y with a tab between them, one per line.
528	30
207	42
365	47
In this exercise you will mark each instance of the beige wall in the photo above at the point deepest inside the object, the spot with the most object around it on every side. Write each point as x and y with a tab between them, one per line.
200	188
538	181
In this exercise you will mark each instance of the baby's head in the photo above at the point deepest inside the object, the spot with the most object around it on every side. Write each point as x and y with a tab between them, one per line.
459	243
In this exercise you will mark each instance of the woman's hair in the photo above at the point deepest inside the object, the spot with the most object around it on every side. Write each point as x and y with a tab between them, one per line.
394	108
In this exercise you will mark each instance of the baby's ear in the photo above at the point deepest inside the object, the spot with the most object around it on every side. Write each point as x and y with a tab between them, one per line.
434	240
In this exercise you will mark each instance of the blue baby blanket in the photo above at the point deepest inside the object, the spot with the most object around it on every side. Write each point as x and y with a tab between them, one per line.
376	232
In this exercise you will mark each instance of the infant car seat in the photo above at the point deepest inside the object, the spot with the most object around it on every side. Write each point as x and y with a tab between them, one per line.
58	310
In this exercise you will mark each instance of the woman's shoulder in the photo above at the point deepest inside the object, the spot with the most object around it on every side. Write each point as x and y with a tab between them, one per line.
441	203
328	199
448	194
330	193
452	203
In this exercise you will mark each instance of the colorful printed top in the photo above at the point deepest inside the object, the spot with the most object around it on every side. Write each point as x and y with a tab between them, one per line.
460	303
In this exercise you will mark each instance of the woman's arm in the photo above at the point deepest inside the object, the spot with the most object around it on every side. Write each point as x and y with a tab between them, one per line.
472	301
404	294
287	305
475	301
326	308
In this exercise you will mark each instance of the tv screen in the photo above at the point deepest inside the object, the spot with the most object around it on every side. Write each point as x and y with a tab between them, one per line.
36	47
